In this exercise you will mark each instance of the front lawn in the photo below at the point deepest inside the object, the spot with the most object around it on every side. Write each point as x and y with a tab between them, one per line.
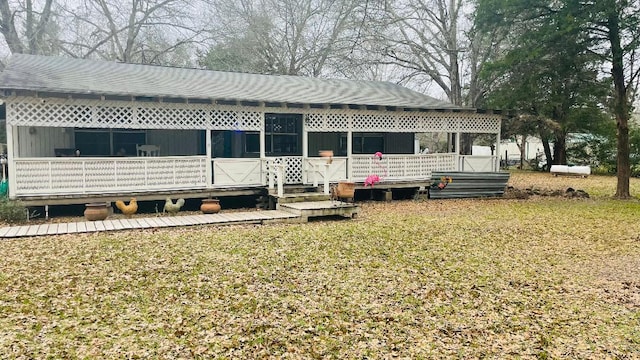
545	277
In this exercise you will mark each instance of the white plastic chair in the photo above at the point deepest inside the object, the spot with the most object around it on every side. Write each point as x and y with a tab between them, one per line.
148	150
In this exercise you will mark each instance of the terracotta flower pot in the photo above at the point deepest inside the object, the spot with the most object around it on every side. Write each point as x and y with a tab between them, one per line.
346	189
96	211
210	206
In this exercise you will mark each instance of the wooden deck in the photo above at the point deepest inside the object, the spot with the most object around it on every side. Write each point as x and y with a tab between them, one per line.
300	212
250	217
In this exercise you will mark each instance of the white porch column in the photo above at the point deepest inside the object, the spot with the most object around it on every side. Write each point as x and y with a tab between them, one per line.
460	167
263	144
11	133
497	152
305	153
349	154
265	166
209	164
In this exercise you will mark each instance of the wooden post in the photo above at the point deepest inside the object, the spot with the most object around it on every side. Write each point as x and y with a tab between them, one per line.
280	180
497	158
11	134
458	151
209	164
305	154
326	179
349	154
314	173
270	172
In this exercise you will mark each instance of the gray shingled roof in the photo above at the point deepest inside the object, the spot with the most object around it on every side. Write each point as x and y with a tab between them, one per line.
79	76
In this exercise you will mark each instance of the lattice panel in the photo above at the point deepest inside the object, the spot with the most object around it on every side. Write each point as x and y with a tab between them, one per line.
327	122
292	168
224	120
251	120
480	124
27	111
154	117
124	114
47	113
421	122
117	117
374	122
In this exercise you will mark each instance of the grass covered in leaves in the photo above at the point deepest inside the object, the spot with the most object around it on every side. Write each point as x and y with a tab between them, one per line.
536	278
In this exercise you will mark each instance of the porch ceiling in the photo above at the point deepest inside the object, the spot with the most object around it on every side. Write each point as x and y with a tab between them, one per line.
101	78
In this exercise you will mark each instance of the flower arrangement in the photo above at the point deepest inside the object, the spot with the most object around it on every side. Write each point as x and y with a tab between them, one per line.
444	181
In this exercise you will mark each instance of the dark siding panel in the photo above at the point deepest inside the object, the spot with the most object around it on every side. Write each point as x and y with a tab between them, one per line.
399	143
326	141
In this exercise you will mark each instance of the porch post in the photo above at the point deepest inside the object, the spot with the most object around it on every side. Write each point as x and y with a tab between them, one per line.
209	164
460	167
11	132
349	154
263	146
305	153
497	152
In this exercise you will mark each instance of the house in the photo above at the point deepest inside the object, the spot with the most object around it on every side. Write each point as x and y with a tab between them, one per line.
77	131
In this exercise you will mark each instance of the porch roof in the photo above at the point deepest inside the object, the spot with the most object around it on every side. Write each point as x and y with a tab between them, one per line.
103	78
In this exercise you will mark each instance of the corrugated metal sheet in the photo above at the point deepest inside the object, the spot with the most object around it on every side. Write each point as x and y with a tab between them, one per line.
470	185
80	76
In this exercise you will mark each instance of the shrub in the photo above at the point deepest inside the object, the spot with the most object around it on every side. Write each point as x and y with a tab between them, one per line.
12	211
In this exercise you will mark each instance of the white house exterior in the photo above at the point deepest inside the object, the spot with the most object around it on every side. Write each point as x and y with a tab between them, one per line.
217	131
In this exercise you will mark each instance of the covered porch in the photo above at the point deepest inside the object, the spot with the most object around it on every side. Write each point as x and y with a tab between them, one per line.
71	147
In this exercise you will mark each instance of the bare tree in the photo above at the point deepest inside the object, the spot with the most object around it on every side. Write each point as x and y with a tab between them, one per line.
295	37
27	27
144	31
422	36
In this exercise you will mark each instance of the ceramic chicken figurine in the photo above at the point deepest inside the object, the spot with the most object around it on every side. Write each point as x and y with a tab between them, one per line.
172	208
129	209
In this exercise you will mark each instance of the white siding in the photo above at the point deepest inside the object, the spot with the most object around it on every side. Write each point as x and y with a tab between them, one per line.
36	141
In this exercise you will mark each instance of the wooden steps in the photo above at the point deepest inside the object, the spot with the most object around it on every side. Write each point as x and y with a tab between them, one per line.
311	209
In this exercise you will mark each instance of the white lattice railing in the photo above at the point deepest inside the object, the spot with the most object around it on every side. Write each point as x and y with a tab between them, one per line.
292	168
44	176
402	167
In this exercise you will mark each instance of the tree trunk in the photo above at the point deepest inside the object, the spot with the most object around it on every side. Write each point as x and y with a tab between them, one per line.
547	152
559	150
621	107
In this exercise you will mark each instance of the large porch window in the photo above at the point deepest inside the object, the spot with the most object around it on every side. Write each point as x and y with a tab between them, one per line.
336	141
368	143
283	134
108	142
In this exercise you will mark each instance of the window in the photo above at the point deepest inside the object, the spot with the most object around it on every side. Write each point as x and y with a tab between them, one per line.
252	142
368	143
107	142
283	134
327	141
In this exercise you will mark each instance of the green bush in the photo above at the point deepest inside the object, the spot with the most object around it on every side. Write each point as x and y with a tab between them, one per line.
12	211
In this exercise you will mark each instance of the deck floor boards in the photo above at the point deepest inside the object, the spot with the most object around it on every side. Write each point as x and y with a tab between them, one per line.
154	221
